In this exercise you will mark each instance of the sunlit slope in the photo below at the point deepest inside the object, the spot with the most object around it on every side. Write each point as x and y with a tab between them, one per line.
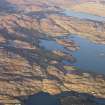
92	8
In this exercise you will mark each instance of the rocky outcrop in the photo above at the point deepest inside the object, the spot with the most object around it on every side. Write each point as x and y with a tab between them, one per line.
70	45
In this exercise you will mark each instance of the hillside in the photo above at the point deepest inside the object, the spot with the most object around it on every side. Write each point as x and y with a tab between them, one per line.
26	68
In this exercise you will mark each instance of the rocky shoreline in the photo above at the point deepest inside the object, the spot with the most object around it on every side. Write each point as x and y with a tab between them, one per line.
27	69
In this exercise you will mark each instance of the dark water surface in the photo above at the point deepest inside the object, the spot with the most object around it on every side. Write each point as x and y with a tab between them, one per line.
42	99
75	98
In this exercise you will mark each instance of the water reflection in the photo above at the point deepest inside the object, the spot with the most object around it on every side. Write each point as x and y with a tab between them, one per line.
86	16
90	57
